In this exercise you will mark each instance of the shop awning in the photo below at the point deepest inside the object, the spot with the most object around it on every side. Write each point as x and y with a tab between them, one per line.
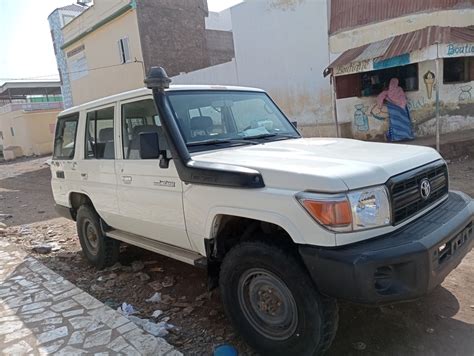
394	48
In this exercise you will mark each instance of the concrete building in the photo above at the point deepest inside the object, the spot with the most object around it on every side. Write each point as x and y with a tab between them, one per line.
282	47
28	112
427	45
110	46
57	20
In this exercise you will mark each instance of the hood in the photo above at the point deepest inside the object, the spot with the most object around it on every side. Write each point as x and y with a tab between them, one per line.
324	164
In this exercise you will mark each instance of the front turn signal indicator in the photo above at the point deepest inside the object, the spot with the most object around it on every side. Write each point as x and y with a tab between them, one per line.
330	213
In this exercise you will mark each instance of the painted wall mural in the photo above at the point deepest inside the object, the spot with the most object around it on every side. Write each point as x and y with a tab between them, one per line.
465	94
379	113
429	79
361	121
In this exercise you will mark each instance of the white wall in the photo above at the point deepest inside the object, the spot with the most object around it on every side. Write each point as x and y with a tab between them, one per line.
219	21
280	46
225	73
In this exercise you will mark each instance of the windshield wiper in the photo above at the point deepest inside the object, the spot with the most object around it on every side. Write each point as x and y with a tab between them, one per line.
217	141
268	135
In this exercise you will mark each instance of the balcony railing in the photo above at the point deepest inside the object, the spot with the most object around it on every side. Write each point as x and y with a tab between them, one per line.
54	105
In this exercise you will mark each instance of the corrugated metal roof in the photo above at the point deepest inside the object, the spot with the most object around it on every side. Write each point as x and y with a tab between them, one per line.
347	14
406	43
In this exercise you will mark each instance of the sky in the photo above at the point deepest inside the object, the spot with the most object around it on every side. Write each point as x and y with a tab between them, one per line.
26	48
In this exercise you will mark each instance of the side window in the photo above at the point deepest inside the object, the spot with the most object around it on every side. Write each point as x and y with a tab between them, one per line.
100	134
65	137
139	117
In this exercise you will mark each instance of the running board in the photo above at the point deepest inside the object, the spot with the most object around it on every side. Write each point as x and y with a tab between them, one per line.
174	252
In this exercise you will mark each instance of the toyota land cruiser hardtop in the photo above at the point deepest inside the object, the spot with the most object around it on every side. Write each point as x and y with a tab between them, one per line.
219	178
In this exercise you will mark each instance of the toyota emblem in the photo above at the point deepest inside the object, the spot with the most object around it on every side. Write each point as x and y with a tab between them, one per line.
425	189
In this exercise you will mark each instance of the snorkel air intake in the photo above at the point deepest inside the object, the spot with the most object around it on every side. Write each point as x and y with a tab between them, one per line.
190	171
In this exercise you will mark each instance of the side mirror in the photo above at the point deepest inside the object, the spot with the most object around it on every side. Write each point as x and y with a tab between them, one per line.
295	124
149	145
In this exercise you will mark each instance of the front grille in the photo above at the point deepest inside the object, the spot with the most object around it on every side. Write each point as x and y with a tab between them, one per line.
405	190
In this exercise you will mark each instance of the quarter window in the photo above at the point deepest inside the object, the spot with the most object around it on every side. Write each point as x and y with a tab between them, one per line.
139	117
100	134
65	137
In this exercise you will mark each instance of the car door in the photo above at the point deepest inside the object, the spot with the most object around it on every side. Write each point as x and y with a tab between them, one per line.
97	168
63	174
150	198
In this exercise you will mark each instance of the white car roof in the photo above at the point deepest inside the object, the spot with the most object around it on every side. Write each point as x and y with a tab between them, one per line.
136	93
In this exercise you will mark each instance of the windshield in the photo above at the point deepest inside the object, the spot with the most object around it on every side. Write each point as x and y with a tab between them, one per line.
228	117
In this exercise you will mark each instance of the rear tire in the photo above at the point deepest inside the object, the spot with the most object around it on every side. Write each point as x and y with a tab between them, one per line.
272	302
100	250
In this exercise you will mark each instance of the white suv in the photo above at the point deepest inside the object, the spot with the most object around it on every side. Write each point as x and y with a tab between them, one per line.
219	178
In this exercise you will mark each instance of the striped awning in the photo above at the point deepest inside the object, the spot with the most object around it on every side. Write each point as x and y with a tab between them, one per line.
404	44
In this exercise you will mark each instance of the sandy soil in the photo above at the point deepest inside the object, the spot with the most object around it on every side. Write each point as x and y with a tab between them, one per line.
439	324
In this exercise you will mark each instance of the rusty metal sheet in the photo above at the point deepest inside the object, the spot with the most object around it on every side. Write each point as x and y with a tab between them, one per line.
347	14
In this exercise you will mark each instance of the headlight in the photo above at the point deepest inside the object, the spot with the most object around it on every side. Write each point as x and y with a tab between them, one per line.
355	210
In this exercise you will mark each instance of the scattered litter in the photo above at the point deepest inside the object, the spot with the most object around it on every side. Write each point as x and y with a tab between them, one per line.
126	309
42	249
359	345
24	230
472	306
430	330
155	298
137	266
225	350
168	282
3	226
5	216
156	269
157	313
150	262
157	329
203	296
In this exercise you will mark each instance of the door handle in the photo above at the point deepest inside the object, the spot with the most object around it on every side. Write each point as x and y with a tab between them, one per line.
84	176
127	179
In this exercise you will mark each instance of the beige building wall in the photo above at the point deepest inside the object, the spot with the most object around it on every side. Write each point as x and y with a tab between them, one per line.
94	61
33	132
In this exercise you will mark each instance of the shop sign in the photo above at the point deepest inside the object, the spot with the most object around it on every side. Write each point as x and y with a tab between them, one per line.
353	67
458	50
392	62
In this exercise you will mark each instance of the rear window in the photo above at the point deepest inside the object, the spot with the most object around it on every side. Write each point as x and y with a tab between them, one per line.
65	137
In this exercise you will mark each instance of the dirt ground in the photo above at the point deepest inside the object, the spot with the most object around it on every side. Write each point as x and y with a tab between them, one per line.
439	324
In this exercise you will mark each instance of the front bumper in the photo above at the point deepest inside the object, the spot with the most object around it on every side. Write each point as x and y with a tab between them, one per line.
403	265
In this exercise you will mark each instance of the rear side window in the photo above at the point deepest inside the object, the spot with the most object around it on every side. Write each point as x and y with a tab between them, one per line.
65	137
139	117
100	134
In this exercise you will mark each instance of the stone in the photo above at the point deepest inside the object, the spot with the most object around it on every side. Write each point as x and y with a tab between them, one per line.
35	306
126	328
20	348
10	326
142	276
99	338
42	249
360	346
52	335
77	337
70	351
87	301
19	334
51	348
73	313
118	344
155	285
67	304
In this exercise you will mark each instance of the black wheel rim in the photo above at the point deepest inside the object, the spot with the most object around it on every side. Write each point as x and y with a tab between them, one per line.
91	237
268	304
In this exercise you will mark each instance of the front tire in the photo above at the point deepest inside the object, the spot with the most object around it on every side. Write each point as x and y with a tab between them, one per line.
272	302
100	250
